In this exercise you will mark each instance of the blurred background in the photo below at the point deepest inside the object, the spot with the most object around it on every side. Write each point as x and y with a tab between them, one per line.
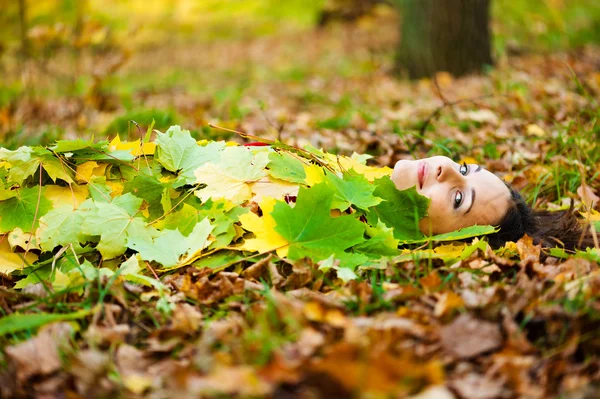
293	69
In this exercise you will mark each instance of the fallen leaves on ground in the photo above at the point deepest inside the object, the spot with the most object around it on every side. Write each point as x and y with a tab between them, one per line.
254	305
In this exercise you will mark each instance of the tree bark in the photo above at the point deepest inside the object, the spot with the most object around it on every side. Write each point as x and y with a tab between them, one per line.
443	35
23	29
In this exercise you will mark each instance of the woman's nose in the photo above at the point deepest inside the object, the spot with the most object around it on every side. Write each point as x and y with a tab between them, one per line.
448	173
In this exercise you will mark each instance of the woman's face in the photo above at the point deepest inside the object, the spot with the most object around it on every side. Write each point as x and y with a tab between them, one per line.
460	195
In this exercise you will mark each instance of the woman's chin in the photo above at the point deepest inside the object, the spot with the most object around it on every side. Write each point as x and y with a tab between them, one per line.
401	176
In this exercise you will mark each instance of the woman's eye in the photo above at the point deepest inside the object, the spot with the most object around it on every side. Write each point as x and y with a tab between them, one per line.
464	169
458	198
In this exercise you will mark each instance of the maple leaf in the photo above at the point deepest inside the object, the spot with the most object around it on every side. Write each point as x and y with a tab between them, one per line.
269	187
114	222
352	189
358	163
310	229
18	238
85	171
24	209
266	237
10	261
381	242
136	148
231	177
400	210
168	246
60	226
285	166
26	161
314	174
148	187
221	213
178	152
62	146
73	194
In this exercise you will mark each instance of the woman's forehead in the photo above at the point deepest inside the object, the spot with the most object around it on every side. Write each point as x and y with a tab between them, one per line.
492	196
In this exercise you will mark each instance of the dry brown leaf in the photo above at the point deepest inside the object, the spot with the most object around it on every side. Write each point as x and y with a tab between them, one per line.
256	271
476	386
40	355
587	195
434	392
238	380
302	274
431	282
528	252
363	370
467	337
88	367
186	318
447	304
101	335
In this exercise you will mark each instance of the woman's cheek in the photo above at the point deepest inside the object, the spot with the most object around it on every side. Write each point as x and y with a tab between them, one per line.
438	219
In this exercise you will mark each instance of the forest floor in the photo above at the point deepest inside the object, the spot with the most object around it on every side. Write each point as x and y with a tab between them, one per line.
520	321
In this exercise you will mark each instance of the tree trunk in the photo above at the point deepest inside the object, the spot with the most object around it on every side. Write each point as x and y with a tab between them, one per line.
23	29
443	35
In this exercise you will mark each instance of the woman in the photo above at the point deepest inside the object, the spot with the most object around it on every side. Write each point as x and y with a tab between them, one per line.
466	195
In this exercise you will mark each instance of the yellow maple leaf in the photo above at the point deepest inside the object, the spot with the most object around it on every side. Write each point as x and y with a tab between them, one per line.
314	174
222	185
468	160
10	261
450	250
266	238
344	163
86	170
116	188
18	238
73	195
136	148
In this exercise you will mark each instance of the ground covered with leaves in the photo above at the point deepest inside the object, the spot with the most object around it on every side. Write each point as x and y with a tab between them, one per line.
129	268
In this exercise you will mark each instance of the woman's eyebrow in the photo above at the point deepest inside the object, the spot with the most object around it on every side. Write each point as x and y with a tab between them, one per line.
472	199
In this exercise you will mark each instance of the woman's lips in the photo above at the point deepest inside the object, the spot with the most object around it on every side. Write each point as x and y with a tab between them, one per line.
421	173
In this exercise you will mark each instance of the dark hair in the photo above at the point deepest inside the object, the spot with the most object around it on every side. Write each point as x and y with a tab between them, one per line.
551	229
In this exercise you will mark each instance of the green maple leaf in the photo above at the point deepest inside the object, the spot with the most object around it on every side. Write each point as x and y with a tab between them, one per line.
352	189
23	209
26	161
400	210
114	157
164	249
60	226
381	242
147	187
461	234
170	245
221	213
62	146
310	229
285	166
179	153
99	190
114	222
